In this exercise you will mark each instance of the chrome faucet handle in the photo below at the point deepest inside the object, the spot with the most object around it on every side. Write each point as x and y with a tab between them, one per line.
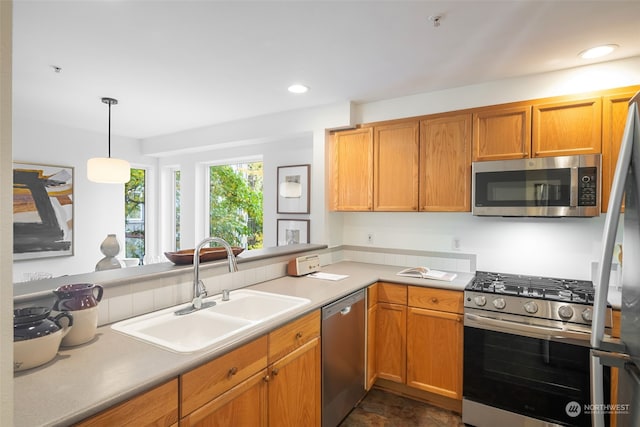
202	290
225	295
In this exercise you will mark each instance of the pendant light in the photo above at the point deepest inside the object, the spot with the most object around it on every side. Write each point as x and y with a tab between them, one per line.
108	170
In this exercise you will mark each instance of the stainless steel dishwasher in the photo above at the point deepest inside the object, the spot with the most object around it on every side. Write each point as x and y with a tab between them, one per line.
343	357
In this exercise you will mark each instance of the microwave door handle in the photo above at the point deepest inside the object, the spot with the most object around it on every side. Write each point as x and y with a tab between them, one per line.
573	192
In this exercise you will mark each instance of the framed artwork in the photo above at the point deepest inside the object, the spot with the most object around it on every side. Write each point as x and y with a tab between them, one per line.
293	189
42	211
293	231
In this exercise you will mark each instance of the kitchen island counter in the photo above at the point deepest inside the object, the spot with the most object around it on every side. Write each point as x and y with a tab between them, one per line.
84	380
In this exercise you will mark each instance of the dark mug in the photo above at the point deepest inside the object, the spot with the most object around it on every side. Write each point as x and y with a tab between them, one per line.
77	297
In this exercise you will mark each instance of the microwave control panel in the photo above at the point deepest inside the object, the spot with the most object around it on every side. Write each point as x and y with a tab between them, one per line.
587	186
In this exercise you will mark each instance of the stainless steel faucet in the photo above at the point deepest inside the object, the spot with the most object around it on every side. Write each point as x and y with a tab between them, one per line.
199	290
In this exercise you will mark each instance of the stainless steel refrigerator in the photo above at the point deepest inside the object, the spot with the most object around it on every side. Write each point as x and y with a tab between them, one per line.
625	352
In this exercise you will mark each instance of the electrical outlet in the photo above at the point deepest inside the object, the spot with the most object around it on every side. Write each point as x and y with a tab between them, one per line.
455	244
370	238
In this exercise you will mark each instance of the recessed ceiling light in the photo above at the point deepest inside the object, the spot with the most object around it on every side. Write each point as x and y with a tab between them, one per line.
597	51
298	88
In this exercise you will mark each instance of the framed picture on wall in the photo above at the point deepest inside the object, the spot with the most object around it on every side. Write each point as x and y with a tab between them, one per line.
42	211
293	189
293	231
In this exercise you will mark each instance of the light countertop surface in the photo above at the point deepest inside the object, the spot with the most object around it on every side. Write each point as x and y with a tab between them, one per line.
82	381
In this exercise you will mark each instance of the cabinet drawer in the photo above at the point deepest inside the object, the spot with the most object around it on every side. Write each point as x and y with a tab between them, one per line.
293	335
436	299
392	293
158	407
206	382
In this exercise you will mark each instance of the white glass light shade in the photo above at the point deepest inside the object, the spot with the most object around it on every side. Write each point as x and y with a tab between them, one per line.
107	170
290	189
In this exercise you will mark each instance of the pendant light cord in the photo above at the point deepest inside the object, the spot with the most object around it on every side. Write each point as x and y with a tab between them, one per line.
109	130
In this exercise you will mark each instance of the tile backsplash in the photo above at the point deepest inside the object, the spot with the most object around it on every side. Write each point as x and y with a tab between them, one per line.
140	296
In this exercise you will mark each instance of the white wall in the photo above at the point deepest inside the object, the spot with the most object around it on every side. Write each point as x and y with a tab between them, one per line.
293	151
98	208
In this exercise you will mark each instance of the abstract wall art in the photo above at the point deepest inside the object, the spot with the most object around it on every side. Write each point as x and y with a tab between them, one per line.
42	211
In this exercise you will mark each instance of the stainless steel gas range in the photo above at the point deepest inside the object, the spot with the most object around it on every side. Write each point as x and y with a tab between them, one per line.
526	350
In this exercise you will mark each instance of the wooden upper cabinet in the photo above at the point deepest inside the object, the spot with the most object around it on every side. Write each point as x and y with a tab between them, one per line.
567	127
352	170
445	163
614	117
395	167
502	132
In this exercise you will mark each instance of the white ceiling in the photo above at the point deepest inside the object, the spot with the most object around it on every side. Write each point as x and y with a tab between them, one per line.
177	65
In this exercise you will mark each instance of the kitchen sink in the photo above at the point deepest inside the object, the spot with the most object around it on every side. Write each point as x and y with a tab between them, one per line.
206	327
257	306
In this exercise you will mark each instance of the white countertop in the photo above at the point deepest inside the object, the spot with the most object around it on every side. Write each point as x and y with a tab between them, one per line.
86	379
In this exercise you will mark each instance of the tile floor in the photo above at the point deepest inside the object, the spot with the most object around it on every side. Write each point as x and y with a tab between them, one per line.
382	409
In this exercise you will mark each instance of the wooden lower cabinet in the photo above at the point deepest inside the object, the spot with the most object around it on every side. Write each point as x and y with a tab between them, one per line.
372	320
243	405
419	339
271	381
391	347
615	333
434	349
294	388
157	407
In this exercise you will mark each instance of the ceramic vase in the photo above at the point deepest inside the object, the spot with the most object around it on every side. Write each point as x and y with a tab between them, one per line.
109	248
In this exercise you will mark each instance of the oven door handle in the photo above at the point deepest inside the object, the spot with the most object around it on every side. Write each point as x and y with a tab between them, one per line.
507	326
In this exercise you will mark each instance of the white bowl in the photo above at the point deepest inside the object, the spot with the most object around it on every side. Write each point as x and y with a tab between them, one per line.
131	262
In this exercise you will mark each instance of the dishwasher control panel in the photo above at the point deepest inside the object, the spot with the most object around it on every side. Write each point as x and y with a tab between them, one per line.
303	265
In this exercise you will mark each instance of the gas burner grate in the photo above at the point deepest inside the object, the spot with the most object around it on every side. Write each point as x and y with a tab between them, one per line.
534	287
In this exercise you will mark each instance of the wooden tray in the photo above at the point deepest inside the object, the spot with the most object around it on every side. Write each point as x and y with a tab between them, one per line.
185	256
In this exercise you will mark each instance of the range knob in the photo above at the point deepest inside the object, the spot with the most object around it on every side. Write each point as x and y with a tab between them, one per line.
565	312
499	303
531	307
480	300
587	314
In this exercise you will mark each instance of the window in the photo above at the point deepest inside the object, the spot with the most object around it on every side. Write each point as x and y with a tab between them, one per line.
134	218
235	203
176	206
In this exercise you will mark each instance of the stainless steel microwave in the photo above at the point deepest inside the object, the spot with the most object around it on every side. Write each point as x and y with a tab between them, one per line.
546	186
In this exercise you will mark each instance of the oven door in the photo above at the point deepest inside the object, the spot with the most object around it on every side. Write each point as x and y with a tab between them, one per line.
542	376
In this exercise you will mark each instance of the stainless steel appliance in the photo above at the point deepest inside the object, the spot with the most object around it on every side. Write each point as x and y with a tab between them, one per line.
545	186
343	357
526	350
625	352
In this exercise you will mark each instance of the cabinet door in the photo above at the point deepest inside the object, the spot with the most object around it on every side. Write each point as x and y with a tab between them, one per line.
294	388
243	405
352	170
434	348
445	164
372	369
157	407
391	348
567	128
395	168
615	374
208	381
614	117
502	132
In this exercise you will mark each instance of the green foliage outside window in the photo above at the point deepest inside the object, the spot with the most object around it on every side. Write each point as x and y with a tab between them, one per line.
134	193
236	204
